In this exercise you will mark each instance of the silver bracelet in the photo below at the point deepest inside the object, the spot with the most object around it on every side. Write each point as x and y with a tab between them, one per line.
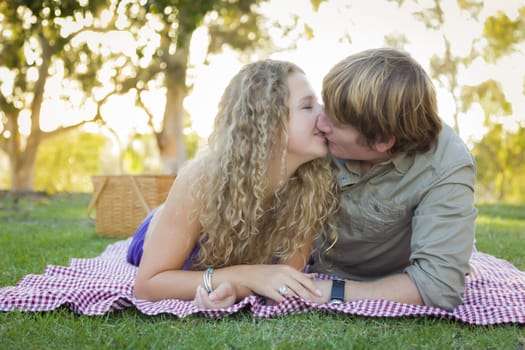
207	280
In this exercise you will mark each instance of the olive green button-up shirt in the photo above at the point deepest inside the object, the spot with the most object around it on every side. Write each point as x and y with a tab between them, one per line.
411	214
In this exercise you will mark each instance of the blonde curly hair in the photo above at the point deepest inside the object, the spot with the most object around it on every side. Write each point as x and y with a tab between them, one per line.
240	225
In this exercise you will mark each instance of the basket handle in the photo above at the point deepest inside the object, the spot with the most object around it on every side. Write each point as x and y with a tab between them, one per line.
139	194
95	198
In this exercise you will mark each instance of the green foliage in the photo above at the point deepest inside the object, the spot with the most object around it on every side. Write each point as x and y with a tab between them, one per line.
237	25
432	17
36	41
4	175
67	162
489	95
473	6
45	37
499	154
316	3
500	159
446	68
141	156
193	142
503	34
51	230
32	32
396	40
163	54
38	37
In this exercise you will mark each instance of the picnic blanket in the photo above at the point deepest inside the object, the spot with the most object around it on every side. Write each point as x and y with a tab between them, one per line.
495	294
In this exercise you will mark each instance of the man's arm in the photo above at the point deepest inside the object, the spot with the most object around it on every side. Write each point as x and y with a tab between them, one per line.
442	241
442	238
398	287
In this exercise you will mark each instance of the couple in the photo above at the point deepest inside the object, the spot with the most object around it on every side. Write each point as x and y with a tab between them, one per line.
390	212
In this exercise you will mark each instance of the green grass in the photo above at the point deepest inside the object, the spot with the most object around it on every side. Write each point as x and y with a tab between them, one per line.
50	230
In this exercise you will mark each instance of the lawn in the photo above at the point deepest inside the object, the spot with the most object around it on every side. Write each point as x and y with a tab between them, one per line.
38	231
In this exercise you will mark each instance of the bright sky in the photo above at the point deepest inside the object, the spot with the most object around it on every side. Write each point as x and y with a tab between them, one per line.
365	22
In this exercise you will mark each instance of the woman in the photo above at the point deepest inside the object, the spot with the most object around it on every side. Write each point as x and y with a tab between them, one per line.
241	218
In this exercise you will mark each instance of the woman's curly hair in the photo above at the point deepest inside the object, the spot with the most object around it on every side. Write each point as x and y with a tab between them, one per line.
239	224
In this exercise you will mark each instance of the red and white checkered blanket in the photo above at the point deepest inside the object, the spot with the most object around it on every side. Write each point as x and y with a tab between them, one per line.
495	294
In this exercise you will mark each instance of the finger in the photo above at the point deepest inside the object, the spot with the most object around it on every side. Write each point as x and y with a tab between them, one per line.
198	301
204	299
304	288
289	291
226	302
312	275
223	291
298	290
305	279
276	295
307	282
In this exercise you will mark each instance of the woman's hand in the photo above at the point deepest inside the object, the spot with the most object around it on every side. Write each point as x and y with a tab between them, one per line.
276	282
222	297
325	286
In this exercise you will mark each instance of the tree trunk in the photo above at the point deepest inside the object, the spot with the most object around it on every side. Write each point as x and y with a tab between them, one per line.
171	139
23	160
22	174
172	147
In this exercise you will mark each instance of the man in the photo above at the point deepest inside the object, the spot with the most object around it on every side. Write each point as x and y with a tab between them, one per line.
406	180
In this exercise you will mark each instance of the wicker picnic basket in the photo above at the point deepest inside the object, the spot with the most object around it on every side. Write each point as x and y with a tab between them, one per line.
121	202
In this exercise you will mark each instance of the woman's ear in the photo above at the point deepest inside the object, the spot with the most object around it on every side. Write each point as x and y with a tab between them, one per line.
384	145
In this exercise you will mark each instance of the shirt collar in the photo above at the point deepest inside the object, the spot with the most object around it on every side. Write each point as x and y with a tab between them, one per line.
402	162
348	172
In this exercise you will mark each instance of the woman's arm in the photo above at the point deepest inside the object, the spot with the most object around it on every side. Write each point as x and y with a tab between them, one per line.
173	235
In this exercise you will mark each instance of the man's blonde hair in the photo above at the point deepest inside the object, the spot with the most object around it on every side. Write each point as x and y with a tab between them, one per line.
383	93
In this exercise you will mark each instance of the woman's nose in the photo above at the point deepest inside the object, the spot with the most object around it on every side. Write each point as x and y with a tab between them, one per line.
323	123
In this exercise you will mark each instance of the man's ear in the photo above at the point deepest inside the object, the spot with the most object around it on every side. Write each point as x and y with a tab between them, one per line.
384	145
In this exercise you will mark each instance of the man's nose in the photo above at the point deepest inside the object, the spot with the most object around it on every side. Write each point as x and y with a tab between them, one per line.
323	123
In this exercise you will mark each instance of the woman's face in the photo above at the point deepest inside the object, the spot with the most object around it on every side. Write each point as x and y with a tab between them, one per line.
305	141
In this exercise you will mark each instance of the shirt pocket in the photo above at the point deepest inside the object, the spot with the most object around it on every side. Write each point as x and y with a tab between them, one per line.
382	218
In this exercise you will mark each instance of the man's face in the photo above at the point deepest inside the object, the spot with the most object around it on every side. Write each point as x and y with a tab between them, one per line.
344	141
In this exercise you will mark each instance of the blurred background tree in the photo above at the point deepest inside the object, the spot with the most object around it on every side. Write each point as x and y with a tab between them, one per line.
499	152
65	163
40	39
162	31
89	55
34	45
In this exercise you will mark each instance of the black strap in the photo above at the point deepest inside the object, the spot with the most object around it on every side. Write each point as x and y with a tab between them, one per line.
338	291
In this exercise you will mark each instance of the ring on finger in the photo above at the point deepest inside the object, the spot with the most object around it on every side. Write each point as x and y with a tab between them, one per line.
283	291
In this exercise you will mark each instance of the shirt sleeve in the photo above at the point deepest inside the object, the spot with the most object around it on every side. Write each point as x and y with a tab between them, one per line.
443	230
